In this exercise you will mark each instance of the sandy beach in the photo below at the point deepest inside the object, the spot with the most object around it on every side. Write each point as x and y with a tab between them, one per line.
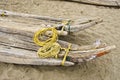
103	68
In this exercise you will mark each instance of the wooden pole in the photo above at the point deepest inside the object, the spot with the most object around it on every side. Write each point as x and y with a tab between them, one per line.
107	3
10	13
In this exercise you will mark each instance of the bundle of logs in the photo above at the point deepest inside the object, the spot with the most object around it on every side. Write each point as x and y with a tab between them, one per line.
17	46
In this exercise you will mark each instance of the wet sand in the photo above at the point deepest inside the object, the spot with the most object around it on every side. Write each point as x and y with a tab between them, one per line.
103	68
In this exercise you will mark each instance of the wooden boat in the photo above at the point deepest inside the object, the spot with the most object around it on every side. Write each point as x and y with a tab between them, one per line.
17	46
109	3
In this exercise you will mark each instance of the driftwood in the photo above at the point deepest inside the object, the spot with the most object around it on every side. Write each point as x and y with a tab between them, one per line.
17	46
27	29
9	13
17	42
76	25
109	3
27	57
81	24
22	56
27	49
87	55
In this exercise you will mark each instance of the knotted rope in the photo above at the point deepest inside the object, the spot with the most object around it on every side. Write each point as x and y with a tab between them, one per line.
50	47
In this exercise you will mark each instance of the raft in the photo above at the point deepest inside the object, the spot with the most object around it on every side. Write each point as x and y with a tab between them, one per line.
17	45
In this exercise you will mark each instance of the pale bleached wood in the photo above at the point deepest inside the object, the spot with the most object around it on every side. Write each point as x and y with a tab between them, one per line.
83	56
22	28
21	35
11	40
17	53
10	13
43	62
76	51
81	25
87	23
109	3
25	42
27	29
21	56
18	37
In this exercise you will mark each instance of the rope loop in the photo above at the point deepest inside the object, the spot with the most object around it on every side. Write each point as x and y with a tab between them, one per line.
49	47
48	41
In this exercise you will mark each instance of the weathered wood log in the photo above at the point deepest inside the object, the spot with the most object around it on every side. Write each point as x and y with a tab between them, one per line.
87	55
21	56
83	24
11	25
22	28
76	25
9	13
109	3
26	42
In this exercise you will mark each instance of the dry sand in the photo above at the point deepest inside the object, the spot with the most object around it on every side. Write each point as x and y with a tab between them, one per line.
104	68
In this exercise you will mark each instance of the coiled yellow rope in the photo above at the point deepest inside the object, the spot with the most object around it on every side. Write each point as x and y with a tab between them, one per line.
50	40
50	47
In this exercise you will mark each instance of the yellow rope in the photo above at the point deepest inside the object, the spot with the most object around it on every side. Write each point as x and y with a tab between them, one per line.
2	14
49	50
50	47
50	40
67	51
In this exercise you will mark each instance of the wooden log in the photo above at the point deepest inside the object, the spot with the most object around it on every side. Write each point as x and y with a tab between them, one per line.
26	57
25	42
22	56
10	13
83	56
109	3
22	28
81	25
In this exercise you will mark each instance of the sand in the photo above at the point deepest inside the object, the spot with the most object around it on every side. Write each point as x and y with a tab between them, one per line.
103	68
